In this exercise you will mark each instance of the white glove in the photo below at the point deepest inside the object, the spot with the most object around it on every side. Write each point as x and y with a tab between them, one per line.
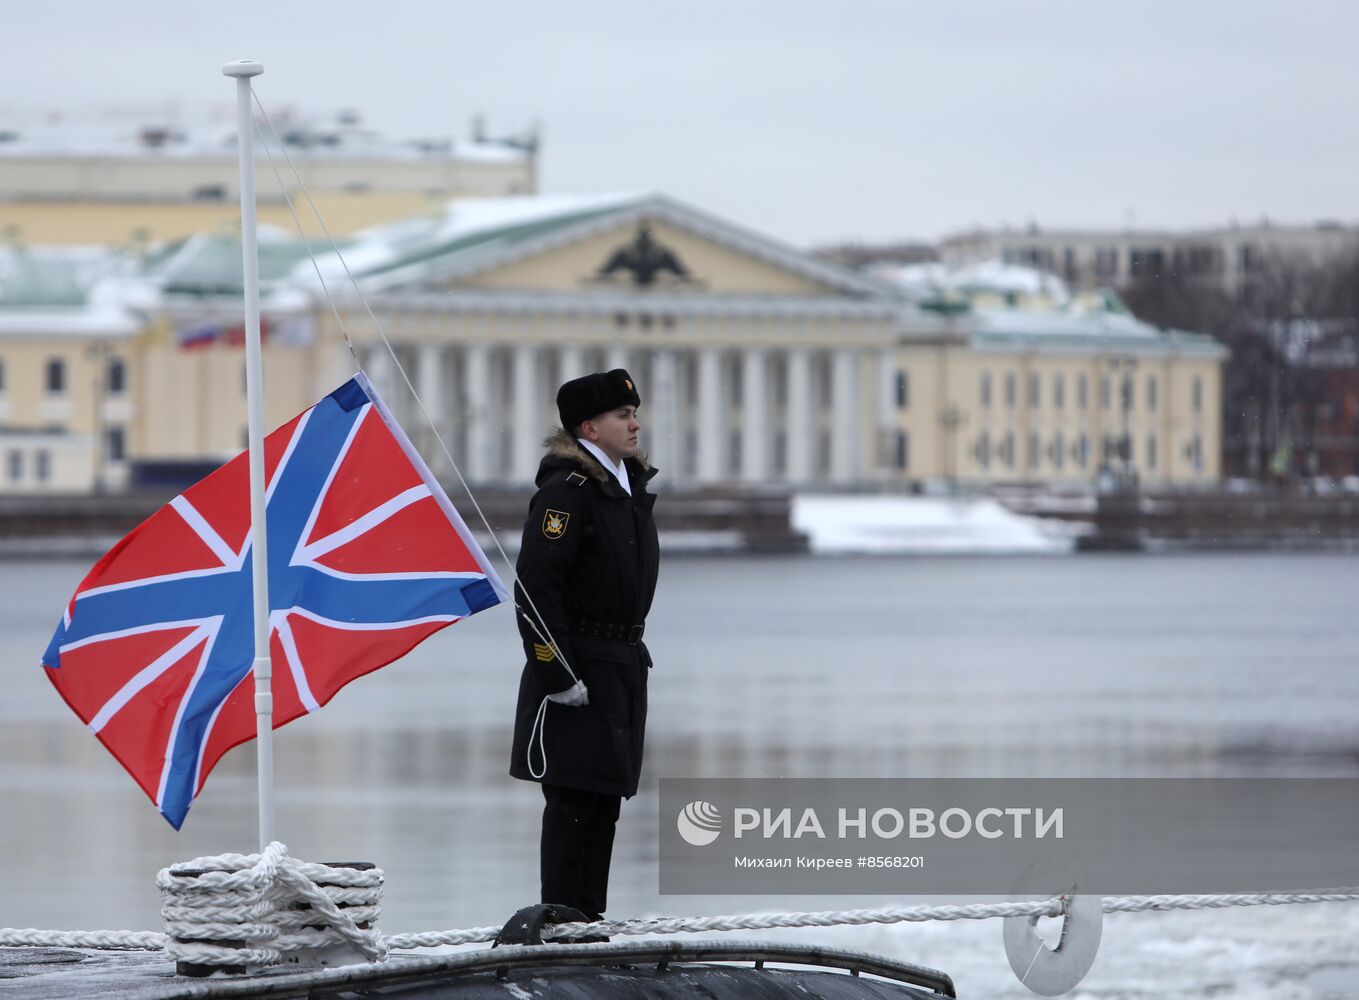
576	694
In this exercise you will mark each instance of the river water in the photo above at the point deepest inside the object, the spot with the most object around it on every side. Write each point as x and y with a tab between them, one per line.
1166	665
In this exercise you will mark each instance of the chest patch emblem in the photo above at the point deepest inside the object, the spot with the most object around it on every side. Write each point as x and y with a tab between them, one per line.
554	523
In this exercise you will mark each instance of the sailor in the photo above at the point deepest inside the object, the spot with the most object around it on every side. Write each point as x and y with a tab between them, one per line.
587	572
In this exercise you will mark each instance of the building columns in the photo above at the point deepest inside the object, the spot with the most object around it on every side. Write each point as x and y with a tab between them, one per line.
801	427
429	382
476	395
845	441
571	364
526	434
711	414
665	426
754	415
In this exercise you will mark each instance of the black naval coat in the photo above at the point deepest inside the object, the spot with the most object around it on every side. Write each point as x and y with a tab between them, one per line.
589	557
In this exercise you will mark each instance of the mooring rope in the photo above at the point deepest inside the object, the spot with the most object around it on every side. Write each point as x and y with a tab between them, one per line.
253	909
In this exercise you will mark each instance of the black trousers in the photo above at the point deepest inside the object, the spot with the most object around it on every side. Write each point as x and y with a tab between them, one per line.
576	848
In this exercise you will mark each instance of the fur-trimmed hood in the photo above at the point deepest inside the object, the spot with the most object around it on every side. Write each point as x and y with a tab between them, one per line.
563	449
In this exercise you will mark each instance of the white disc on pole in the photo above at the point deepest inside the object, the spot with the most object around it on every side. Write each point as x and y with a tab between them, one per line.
1047	970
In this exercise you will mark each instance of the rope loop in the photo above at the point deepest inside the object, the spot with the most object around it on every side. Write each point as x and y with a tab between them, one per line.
257	909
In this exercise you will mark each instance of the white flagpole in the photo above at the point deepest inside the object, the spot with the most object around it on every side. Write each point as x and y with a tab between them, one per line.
264	698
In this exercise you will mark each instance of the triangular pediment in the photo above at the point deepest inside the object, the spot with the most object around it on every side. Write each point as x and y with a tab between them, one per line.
642	244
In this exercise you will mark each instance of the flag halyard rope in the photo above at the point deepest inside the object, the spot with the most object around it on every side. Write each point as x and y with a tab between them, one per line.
539	627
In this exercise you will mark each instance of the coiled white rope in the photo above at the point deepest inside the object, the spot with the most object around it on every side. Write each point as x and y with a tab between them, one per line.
254	909
257	903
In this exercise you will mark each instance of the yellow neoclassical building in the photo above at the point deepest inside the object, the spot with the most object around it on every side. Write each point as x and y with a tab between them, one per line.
136	182
758	363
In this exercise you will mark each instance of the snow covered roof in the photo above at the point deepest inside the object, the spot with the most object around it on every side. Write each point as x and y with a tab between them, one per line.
35	277
340	136
209	264
1090	322
479	233
466	236
931	279
1004	304
77	321
466	230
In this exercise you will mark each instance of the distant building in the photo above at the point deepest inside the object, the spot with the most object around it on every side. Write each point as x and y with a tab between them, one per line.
67	389
759	363
1028	383
868	254
1225	257
134	183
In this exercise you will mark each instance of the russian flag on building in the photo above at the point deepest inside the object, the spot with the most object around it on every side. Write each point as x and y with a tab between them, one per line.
367	558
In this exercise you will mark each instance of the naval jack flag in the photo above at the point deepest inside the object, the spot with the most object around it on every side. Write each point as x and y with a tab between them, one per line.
367	558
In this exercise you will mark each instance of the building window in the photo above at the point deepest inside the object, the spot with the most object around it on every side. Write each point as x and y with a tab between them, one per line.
1034	450
1145	263
1196	394
2	376
1127	393
1010	389
56	376
1007	450
984	450
1151	392
903	450
1058	391
1057	454
985	389
1035	390
1106	262
116	377
1104	389
1151	451
42	465
780	453
1082	451
735	452
115	444
1081	390
903	391
15	465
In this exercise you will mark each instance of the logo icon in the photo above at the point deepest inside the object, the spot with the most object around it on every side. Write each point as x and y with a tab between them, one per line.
699	823
554	523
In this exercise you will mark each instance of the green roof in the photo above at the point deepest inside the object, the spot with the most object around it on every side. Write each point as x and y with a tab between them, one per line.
55	276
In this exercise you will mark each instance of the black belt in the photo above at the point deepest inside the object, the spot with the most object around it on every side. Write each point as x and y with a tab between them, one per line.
631	634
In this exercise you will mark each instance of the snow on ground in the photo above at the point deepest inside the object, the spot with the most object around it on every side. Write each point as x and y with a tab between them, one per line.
935	525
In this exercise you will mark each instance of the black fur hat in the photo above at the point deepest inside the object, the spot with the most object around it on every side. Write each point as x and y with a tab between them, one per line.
590	395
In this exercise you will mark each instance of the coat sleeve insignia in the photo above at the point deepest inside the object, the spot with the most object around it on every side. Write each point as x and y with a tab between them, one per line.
554	524
576	479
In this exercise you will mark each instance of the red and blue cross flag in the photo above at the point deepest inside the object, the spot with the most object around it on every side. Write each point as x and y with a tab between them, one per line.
367	559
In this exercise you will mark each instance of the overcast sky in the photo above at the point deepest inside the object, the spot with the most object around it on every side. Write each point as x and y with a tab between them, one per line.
814	122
